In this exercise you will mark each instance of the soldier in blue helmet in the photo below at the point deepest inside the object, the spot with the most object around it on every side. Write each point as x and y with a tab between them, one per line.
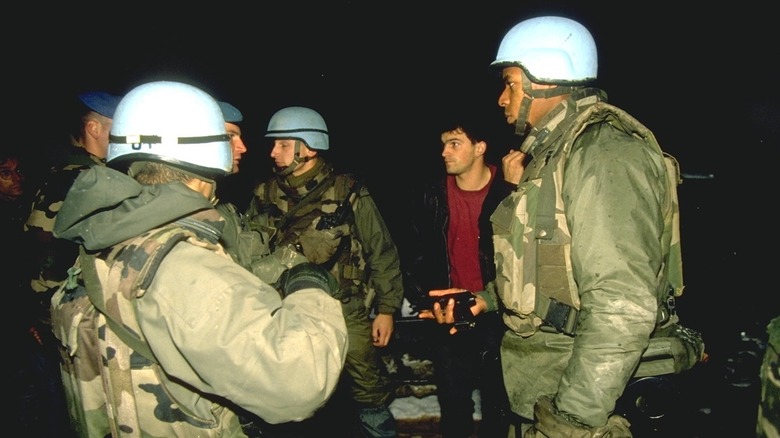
587	246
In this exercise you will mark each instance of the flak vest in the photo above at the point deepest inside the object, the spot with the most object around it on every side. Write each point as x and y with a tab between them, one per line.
284	223
536	282
94	318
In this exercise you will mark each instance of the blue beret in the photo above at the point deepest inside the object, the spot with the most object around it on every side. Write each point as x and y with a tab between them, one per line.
230	113
100	102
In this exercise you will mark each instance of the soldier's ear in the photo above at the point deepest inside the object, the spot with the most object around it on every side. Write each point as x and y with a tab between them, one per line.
93	128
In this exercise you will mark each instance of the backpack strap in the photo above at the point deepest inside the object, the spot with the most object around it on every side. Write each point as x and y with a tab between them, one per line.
95	293
159	244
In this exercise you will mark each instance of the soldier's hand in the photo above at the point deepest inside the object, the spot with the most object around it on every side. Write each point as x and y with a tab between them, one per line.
513	166
319	246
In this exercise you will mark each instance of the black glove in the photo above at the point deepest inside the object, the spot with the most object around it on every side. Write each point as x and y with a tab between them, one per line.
306	275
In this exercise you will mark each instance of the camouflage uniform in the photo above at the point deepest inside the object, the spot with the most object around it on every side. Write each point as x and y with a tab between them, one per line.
591	223
769	406
48	261
367	255
54	256
217	336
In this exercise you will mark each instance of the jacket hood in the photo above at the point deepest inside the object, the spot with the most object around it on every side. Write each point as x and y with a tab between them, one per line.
105	207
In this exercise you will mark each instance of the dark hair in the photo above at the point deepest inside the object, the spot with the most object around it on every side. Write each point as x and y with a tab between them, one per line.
472	128
470	121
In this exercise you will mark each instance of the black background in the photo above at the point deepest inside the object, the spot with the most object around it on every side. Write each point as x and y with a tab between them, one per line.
702	78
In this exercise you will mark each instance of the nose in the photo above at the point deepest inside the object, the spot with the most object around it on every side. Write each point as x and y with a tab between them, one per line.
240	146
503	98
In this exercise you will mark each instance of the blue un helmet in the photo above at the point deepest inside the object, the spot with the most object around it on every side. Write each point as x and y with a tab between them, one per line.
173	123
302	125
550	50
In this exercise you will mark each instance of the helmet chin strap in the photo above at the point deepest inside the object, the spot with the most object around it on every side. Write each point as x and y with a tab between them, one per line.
522	127
295	162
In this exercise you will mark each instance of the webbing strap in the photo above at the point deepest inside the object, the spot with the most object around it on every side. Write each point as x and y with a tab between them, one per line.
545	217
557	316
95	293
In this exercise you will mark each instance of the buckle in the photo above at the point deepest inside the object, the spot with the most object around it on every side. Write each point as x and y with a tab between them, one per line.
560	318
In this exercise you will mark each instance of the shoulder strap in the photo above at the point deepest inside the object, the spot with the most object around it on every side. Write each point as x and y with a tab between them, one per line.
95	293
555	301
157	244
675	251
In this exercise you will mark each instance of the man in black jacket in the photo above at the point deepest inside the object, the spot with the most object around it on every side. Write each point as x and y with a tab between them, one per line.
451	247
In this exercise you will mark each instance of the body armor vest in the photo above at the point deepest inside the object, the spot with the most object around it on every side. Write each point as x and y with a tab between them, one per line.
285	219
535	281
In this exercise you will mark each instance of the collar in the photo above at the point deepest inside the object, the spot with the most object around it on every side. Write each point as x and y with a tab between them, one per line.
299	186
560	118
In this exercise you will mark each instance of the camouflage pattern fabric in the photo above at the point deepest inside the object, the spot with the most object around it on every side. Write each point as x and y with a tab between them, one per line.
608	158
54	256
768	425
367	254
222	336
112	389
368	234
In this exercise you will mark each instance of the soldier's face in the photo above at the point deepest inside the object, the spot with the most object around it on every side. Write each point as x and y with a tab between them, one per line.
512	94
283	152
236	143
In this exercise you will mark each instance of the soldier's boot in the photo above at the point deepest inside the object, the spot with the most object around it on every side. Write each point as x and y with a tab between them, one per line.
551	424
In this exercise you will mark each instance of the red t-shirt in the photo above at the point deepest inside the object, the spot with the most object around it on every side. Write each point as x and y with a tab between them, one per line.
463	234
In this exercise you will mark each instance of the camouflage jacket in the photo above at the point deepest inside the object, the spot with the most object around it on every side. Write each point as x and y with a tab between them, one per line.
592	224
220	336
53	257
369	254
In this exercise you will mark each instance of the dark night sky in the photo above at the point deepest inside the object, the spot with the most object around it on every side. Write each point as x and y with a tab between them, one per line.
380	72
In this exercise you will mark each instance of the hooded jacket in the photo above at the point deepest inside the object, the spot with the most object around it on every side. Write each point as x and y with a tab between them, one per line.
223	336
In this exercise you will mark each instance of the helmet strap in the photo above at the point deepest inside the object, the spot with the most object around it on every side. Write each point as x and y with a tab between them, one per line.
529	95
295	162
